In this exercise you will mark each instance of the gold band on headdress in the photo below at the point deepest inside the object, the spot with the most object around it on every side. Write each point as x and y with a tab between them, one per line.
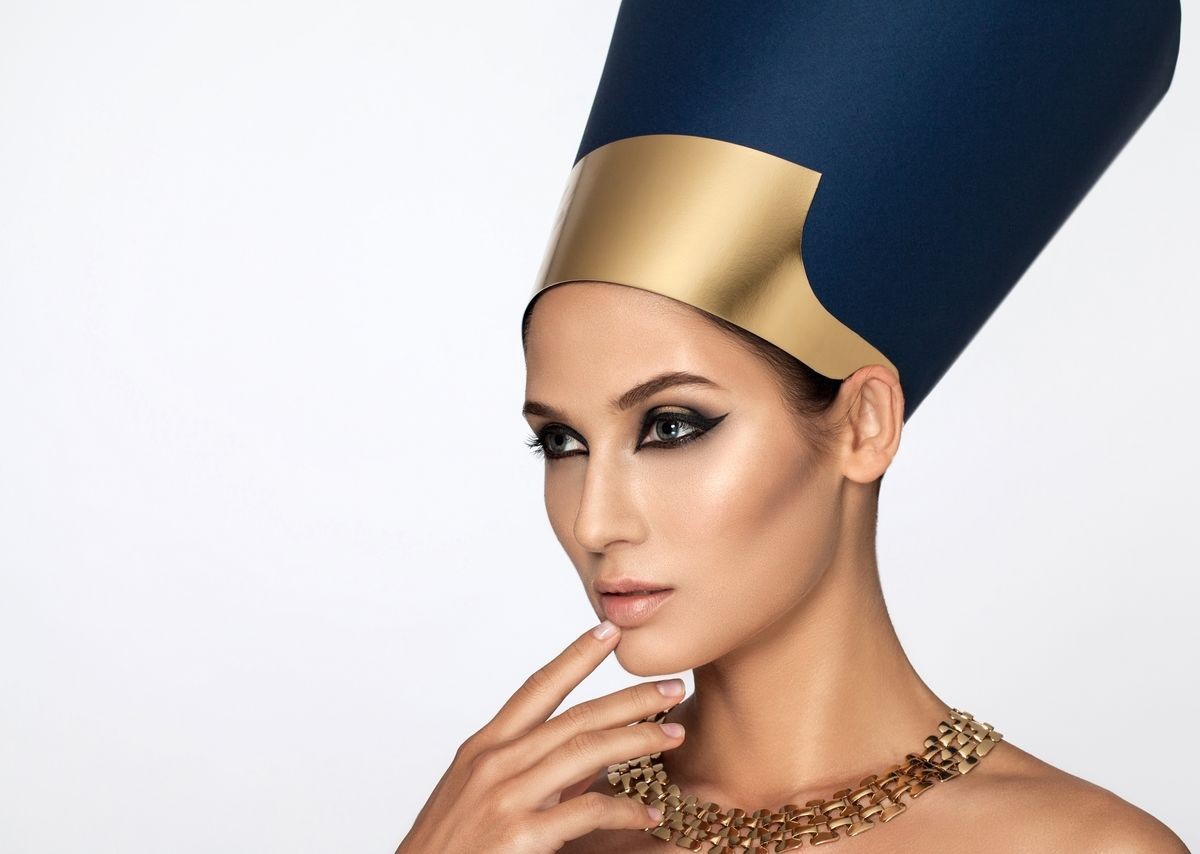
710	223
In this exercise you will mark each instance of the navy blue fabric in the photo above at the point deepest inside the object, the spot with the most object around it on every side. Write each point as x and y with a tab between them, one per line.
953	138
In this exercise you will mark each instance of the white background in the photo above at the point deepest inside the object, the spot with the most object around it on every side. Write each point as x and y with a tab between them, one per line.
271	544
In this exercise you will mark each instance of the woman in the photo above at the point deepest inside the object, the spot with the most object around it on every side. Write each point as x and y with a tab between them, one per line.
717	414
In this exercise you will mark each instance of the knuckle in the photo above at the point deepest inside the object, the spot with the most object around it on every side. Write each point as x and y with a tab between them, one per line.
508	833
603	810
488	764
522	838
579	651
584	744
539	684
519	836
471	747
596	804
580	717
504	805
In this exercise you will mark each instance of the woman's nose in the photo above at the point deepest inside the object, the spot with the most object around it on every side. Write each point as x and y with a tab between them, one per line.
608	511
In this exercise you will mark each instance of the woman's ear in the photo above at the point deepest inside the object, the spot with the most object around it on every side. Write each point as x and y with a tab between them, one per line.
872	404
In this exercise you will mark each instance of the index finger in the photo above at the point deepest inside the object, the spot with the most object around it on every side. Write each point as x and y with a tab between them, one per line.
549	685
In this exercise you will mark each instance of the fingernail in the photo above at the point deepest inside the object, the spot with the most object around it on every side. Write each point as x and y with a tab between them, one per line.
604	630
670	687
673	729
656	815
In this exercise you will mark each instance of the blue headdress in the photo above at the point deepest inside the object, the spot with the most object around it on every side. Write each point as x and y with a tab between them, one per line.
856	182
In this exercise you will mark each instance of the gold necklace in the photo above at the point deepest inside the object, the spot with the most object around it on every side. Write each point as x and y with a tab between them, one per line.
959	745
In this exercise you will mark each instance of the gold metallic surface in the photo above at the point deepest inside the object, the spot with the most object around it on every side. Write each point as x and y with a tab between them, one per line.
710	223
956	749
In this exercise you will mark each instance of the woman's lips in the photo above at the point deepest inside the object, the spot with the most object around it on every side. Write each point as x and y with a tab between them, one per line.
632	609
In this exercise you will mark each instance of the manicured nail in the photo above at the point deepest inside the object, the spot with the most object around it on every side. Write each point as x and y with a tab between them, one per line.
673	729
670	687
656	815
604	630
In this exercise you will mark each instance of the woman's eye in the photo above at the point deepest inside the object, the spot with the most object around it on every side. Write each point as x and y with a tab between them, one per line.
558	442
671	428
665	430
552	443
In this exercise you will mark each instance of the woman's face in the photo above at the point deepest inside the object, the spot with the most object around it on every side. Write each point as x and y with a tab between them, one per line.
738	519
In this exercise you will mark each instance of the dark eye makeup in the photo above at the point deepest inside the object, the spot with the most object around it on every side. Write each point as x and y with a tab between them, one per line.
548	441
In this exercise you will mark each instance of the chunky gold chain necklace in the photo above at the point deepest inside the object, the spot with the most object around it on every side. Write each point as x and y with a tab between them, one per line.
959	745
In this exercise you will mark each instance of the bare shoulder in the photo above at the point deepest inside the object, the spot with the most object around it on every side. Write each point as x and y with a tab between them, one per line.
1030	805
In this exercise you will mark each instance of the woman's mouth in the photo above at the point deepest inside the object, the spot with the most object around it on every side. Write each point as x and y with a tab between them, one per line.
633	608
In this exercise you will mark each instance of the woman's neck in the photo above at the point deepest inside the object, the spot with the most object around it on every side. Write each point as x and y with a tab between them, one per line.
818	700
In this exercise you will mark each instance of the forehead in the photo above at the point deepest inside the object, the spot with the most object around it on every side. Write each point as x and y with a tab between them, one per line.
615	336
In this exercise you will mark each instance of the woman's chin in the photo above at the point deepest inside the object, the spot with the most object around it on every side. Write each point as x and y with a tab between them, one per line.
643	652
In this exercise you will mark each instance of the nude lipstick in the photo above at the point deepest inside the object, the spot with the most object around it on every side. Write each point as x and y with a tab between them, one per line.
629	602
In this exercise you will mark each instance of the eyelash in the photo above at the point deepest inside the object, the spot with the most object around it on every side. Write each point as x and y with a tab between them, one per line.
701	427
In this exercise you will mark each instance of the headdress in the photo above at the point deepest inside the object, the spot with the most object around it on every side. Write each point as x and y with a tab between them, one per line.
856	182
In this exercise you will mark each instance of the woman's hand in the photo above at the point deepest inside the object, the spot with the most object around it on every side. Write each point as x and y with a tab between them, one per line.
518	785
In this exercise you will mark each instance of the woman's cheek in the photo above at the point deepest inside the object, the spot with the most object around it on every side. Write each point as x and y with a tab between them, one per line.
706	492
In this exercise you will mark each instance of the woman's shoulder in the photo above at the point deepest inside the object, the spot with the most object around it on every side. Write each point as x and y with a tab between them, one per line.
1012	802
1027	804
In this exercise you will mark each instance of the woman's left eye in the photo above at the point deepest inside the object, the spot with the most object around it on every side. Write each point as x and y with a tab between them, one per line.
671	429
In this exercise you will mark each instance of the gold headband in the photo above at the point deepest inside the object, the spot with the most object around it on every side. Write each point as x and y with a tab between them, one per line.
710	223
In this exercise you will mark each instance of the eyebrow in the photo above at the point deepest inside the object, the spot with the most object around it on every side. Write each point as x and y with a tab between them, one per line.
631	398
